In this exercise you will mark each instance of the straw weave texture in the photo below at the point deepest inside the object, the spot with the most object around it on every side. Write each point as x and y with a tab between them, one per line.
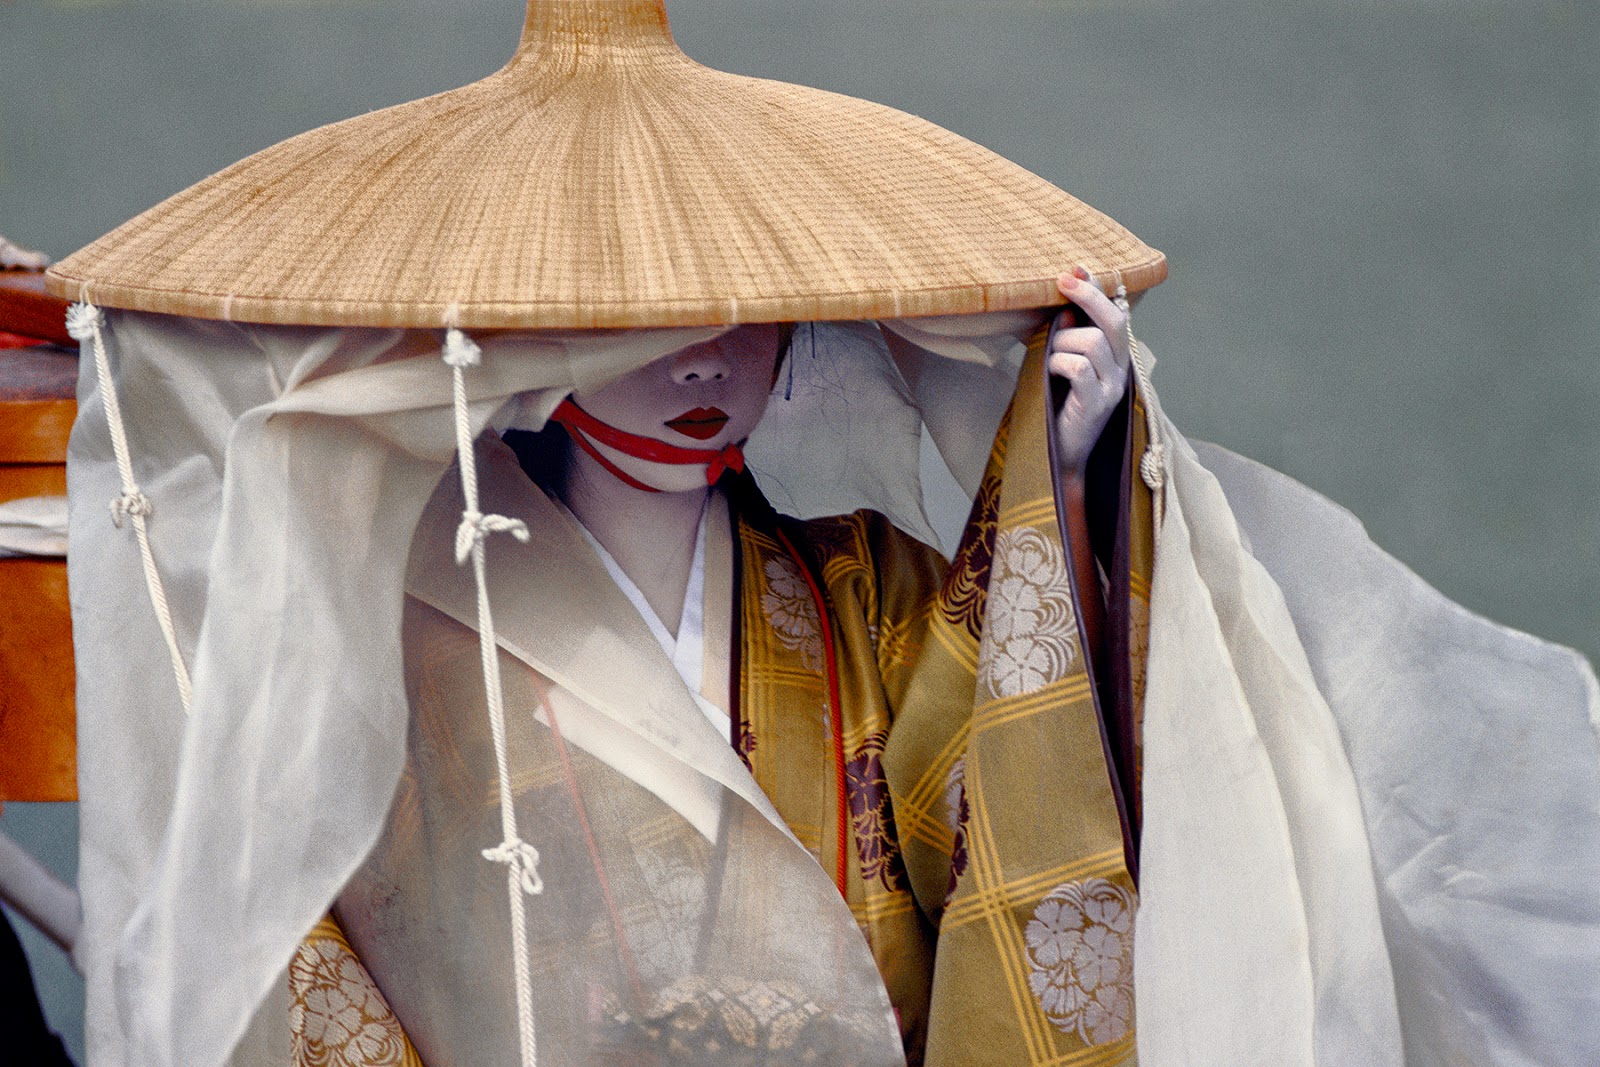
604	179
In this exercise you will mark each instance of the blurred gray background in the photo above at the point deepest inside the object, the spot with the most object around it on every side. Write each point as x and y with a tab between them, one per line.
1382	218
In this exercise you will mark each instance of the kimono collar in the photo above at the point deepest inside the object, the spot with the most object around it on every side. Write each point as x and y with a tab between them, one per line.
558	611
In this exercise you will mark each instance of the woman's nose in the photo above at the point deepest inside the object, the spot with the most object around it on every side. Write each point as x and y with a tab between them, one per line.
702	363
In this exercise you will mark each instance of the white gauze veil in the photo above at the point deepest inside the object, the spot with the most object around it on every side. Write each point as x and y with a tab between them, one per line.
287	468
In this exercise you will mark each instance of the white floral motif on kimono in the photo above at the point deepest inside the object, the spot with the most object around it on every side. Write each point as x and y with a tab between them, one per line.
665	942
955	782
337	1016
791	611
1080	959
1030	636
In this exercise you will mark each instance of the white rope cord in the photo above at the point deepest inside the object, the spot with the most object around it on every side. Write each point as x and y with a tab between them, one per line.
1152	465
521	858
85	322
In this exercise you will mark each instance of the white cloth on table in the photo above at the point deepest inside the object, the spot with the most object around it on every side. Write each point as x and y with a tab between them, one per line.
34	526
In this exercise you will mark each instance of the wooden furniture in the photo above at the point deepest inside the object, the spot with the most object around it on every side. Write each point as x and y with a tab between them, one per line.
38	742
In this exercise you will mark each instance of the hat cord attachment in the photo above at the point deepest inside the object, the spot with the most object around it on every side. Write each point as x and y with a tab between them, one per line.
520	857
86	323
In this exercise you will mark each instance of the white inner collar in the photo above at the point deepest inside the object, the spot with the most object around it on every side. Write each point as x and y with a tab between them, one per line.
687	650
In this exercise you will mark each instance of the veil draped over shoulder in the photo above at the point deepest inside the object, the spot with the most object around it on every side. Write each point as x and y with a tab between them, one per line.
1370	828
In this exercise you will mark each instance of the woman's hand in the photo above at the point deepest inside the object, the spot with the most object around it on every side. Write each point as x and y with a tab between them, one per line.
1094	360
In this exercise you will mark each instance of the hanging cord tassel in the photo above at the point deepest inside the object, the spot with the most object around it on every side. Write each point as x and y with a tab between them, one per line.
521	858
1153	464
86	323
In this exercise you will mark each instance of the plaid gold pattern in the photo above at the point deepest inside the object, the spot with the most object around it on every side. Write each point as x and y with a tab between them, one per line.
876	582
1035	940
990	880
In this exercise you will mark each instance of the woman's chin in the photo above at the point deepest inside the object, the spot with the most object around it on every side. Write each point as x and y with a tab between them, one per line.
691	481
668	478
660	477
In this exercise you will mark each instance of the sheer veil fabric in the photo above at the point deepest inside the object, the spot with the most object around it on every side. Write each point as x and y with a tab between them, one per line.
1476	762
1371	832
290	466
671	881
1372	827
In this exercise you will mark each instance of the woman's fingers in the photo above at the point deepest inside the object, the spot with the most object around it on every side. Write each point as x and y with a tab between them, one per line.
1111	319
1090	342
1094	358
1076	367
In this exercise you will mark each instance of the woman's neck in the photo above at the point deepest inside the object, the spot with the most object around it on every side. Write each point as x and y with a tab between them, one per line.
650	535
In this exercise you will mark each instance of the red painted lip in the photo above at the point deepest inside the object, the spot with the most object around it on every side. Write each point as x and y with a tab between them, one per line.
702	424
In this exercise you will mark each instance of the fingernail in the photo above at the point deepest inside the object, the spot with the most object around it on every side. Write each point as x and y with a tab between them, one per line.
1082	273
1067	281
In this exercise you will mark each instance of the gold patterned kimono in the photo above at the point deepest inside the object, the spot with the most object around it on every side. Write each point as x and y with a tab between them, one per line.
923	742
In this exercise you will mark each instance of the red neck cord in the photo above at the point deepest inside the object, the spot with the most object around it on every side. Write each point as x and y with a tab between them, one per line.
581	426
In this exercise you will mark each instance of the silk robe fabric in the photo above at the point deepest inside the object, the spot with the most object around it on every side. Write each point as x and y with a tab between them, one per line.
687	926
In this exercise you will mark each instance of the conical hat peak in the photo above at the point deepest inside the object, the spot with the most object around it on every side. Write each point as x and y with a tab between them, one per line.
603	178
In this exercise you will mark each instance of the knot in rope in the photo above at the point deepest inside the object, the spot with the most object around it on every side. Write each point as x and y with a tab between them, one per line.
476	527
460	350
84	321
1153	467
132	502
522	858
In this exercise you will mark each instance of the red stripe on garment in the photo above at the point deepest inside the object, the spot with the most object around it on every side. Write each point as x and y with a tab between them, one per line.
835	720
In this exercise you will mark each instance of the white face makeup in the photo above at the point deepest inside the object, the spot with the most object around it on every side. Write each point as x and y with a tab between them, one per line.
705	396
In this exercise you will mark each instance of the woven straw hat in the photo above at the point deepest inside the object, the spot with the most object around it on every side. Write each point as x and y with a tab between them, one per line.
602	178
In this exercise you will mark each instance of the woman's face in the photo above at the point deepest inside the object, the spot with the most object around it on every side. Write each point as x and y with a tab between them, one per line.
705	396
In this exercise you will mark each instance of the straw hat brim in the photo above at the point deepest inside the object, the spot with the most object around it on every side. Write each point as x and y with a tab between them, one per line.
639	190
